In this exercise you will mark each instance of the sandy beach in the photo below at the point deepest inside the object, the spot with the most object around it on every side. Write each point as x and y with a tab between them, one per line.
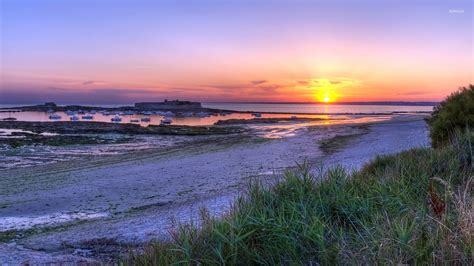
100	206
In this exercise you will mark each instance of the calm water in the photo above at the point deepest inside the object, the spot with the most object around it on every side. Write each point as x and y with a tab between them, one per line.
318	108
331	113
305	108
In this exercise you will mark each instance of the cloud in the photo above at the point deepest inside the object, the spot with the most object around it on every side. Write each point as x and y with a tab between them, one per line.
258	82
89	82
303	82
335	82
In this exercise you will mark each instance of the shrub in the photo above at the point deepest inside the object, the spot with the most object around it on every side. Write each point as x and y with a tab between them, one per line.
453	114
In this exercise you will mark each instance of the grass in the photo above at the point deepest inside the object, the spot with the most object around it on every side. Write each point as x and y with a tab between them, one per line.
386	213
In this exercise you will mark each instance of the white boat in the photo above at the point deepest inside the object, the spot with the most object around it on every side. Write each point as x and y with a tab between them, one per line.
50	111
74	118
147	113
92	112
202	114
54	117
87	117
166	121
116	119
145	119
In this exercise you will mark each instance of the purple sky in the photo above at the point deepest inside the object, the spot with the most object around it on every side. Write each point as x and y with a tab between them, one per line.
122	51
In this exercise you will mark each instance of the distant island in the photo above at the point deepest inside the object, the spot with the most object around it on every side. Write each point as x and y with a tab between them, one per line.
173	106
168	105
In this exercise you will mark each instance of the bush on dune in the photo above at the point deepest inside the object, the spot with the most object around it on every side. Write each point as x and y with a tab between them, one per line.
384	213
453	114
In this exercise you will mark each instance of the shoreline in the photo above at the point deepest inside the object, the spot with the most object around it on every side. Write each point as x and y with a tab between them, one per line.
220	180
73	107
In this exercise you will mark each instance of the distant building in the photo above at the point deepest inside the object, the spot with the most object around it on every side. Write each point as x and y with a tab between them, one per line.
168	105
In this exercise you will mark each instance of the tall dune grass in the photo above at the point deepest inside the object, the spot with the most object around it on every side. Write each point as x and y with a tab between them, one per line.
385	213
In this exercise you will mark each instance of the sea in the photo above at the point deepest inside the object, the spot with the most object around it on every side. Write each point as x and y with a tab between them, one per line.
331	113
296	108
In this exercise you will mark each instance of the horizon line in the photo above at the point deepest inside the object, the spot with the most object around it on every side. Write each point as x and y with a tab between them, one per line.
425	103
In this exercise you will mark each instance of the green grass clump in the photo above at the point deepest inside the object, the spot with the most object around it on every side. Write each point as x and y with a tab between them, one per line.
381	214
455	113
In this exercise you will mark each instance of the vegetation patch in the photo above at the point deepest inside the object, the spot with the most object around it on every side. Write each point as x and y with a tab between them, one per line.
68	127
414	207
455	113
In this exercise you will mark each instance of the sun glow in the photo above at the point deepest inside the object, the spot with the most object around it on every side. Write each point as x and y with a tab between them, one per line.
326	99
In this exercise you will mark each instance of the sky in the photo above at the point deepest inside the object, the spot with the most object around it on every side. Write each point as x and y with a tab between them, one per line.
123	51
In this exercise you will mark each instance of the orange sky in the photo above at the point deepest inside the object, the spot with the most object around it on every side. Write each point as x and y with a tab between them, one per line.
90	51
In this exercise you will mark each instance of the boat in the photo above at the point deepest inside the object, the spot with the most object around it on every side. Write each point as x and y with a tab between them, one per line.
166	121
9	119
50	111
145	119
257	114
147	113
293	117
70	113
202	114
87	117
92	112
74	118
54	117
81	112
116	119
134	121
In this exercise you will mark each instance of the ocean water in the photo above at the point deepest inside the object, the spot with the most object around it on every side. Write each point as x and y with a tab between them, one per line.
314	108
331	113
295	108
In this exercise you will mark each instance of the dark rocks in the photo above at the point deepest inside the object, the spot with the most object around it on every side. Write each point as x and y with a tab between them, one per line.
67	127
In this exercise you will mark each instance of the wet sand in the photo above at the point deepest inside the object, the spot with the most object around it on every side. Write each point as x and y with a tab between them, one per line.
130	199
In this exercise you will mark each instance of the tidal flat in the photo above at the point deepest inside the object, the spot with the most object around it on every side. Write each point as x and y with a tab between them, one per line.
134	196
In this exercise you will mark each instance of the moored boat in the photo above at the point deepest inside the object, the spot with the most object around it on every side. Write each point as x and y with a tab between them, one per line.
166	121
116	119
87	117
145	119
54	117
74	118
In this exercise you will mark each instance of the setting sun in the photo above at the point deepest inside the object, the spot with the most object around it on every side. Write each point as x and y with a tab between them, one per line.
326	99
